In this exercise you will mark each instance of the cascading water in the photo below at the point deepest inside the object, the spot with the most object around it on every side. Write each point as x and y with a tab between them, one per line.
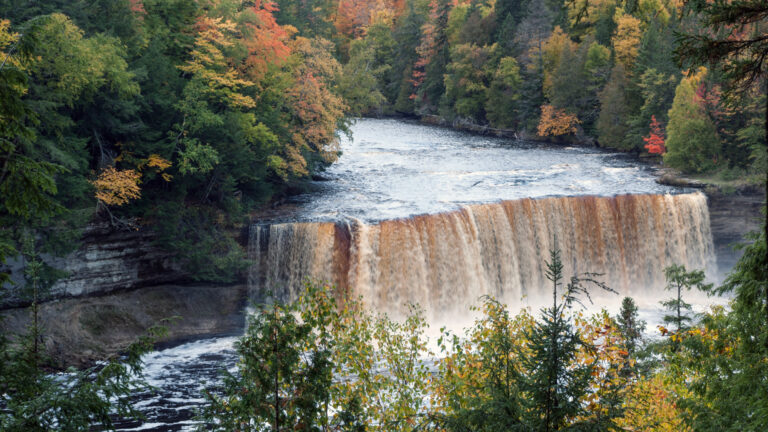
357	229
445	261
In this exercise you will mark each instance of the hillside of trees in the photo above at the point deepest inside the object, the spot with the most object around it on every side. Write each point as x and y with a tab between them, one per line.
177	114
602	71
187	115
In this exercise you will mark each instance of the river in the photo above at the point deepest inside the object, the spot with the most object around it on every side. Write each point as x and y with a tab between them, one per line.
415	213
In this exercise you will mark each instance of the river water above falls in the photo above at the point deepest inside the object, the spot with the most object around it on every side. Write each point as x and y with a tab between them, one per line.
394	169
413	213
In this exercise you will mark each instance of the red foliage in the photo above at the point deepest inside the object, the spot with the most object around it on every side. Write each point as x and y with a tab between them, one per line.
137	7
654	142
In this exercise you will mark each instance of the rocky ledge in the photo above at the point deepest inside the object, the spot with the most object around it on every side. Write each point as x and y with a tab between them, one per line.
108	260
80	331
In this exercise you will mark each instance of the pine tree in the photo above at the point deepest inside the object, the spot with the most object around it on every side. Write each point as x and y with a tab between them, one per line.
630	325
555	382
678	280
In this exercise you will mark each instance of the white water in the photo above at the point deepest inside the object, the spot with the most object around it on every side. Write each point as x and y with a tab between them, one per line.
416	213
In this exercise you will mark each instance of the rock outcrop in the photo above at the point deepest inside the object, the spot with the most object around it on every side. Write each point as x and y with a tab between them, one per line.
80	331
108	260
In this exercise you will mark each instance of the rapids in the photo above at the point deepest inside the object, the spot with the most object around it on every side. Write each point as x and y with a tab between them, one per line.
414	213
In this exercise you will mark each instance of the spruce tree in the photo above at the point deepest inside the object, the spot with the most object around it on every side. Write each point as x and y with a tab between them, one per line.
679	279
630	325
284	376
556	382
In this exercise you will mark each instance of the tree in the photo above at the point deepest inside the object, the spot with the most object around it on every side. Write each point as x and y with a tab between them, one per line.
727	361
555	382
117	188
555	122
502	108
654	142
630	326
434	55
614	111
481	373
467	80
627	40
692	141
284	375
359	83
733	40
679	279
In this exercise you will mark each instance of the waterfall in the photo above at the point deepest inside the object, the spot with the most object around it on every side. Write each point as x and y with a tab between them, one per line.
445	261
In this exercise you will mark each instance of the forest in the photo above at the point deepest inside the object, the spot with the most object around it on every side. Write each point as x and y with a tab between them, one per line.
188	116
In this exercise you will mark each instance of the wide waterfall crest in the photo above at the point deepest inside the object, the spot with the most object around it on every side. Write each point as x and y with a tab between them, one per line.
445	261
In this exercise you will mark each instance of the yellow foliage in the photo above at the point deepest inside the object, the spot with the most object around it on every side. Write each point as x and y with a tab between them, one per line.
556	122
626	41
160	164
650	406
117	187
552	50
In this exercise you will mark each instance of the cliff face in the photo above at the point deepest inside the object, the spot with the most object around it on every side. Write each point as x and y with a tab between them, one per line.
731	217
108	260
80	331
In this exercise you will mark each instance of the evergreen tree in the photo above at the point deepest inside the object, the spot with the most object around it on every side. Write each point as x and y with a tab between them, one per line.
614	111
555	382
630	326
729	391
679	279
501	107
284	377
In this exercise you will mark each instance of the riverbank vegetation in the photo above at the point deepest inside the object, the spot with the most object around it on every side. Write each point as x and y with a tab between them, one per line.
319	364
682	79
185	116
180	115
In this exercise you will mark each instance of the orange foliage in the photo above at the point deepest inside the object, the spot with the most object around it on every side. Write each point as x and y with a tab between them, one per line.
315	108
117	187
265	39
353	16
654	142
556	122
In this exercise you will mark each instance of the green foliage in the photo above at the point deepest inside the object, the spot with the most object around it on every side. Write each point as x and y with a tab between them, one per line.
78	400
679	279
359	84
34	399
630	326
482	374
290	353
555	383
284	378
467	80
503	95
614	113
235	107
692	141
